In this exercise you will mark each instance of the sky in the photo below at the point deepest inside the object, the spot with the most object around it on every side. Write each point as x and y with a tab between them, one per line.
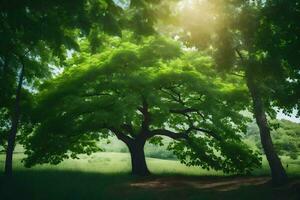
122	3
293	118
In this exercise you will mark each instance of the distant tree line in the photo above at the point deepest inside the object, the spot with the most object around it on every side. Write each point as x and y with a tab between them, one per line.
285	135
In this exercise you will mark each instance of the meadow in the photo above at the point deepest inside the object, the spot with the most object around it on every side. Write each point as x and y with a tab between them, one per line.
117	162
105	175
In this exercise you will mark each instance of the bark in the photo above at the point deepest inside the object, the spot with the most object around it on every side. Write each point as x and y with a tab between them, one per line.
138	161
5	82
14	125
5	66
279	176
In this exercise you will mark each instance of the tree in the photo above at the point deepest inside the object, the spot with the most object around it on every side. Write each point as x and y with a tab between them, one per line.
33	40
35	35
257	40
138	91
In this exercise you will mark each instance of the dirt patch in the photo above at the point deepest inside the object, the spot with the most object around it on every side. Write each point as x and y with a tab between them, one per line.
213	184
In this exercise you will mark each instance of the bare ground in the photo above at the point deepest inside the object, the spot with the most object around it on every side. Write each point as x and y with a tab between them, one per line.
206	188
210	184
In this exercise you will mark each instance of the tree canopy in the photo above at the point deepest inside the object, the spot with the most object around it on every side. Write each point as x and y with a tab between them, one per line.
138	90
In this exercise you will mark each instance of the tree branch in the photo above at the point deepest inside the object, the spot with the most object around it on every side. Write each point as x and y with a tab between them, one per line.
128	128
176	97
171	134
183	111
211	133
184	134
239	75
96	94
240	55
120	135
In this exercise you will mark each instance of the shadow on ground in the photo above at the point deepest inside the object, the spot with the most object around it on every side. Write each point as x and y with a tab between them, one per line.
224	184
64	185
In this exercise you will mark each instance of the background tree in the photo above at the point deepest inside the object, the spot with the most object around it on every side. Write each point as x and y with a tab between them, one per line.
285	137
257	40
137	91
33	36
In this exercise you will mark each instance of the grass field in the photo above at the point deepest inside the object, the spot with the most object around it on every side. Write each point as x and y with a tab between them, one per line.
105	176
112	162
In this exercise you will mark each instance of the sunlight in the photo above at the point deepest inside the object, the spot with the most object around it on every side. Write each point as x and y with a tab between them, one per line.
195	11
200	17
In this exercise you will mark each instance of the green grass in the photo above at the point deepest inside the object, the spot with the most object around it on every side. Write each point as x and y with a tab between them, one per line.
111	162
292	170
105	176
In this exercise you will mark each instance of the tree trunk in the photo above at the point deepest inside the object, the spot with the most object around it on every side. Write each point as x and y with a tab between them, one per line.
14	125
279	176
138	161
5	83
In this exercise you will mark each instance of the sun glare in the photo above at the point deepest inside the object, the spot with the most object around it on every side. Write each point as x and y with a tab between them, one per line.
200	12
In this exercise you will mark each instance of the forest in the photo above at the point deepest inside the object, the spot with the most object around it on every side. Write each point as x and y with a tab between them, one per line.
150	99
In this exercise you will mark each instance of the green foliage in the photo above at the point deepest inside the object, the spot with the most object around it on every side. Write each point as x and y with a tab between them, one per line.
156	140
229	156
104	92
35	40
31	35
285	138
4	127
161	152
251	38
257	40
39	33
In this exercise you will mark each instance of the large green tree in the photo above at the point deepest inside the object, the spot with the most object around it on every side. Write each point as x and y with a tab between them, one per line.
259	41
35	36
138	91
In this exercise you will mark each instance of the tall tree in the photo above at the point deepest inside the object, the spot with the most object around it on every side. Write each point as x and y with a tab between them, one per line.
258	40
33	36
138	91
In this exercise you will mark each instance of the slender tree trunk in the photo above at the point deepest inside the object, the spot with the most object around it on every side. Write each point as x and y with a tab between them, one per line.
279	176
4	66
138	161
14	125
4	81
